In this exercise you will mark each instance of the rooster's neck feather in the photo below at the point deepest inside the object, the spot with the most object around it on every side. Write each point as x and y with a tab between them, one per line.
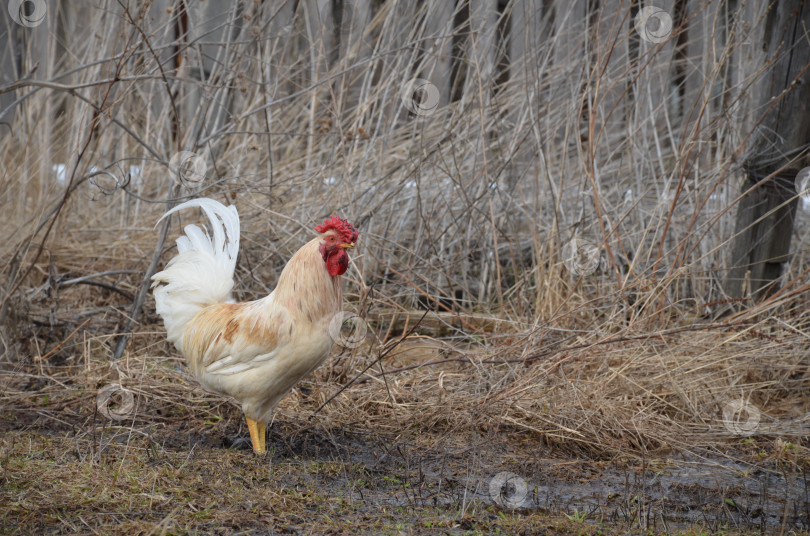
306	288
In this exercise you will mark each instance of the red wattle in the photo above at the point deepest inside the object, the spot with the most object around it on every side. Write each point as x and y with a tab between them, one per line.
337	263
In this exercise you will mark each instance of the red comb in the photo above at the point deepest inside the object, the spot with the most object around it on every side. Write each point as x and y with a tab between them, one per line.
348	234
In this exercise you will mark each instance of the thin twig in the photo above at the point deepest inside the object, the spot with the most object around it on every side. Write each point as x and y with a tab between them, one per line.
380	357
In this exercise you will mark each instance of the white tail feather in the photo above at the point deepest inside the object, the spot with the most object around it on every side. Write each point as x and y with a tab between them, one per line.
202	272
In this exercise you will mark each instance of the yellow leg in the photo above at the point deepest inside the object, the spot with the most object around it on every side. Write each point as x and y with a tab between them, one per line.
257	435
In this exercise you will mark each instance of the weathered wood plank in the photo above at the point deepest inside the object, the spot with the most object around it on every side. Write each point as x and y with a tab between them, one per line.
782	99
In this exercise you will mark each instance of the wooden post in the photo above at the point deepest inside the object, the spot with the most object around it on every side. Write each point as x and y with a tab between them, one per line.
782	129
9	67
762	235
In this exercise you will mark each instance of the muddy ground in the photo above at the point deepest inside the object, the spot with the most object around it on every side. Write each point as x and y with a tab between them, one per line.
62	473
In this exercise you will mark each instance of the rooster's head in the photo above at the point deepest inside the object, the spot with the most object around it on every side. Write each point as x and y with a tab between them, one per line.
338	235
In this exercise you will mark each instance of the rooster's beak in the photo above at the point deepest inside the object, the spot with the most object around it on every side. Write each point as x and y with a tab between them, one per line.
347	246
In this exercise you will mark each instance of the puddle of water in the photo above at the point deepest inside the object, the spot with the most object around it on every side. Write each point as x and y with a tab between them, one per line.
676	494
686	492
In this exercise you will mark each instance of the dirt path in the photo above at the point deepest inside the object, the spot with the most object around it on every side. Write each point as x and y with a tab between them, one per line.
177	479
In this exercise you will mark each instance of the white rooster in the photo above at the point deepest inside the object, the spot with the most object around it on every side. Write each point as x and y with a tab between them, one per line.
254	351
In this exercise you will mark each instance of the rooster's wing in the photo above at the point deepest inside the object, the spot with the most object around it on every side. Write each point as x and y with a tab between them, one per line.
230	338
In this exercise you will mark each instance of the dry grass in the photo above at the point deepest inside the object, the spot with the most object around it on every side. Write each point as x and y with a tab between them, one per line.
465	212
